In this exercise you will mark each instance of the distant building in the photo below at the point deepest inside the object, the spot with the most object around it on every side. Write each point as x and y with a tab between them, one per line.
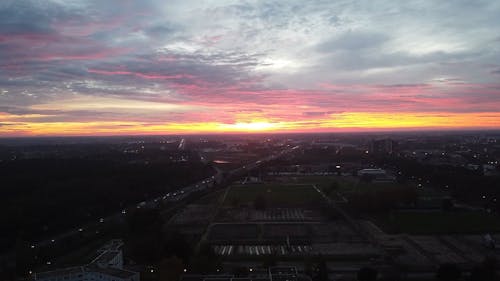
376	175
382	146
490	170
106	266
372	172
76	273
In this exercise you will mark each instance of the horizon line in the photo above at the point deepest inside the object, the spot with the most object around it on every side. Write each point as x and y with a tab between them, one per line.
254	133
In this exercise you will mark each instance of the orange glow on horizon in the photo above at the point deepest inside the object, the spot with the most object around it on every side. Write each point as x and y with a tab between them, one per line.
15	125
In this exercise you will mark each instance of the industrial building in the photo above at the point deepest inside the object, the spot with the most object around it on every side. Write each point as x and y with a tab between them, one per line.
106	266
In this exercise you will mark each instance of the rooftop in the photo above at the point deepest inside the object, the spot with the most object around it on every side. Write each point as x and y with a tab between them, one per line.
59	272
105	257
121	273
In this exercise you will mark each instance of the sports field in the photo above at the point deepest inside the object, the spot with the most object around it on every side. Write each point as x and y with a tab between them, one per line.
275	194
473	222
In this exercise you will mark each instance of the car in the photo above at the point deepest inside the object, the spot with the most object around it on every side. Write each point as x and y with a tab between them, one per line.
101	220
124	212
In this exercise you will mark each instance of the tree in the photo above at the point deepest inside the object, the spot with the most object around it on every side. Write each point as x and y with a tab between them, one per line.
206	261
367	178
176	245
320	271
235	202
240	271
308	267
260	202
170	269
367	274
448	272
447	204
485	271
332	187
142	220
269	260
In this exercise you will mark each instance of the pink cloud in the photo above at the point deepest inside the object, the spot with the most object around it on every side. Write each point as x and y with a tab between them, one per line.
302	104
139	74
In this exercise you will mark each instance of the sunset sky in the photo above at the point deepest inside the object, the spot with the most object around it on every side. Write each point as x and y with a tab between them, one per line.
83	67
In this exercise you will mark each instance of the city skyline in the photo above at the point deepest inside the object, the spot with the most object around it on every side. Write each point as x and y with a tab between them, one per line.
174	67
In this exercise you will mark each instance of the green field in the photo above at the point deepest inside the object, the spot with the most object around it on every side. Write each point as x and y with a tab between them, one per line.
275	194
351	185
211	198
346	186
323	182
438	222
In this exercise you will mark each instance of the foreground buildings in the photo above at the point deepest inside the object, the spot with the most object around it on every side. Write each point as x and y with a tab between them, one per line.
107	266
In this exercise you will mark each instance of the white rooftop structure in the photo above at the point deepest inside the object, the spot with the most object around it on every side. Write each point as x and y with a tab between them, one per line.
372	172
106	266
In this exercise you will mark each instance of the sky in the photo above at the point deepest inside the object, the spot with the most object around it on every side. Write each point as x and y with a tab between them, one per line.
103	67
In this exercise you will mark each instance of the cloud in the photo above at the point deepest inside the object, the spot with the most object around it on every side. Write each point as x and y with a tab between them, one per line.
222	61
353	41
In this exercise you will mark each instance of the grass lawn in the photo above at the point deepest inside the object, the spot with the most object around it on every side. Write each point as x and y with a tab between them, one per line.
211	198
323	182
275	194
429	192
234	231
438	222
345	185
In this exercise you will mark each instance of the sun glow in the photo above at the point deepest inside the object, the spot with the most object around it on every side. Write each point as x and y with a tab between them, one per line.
29	125
250	126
